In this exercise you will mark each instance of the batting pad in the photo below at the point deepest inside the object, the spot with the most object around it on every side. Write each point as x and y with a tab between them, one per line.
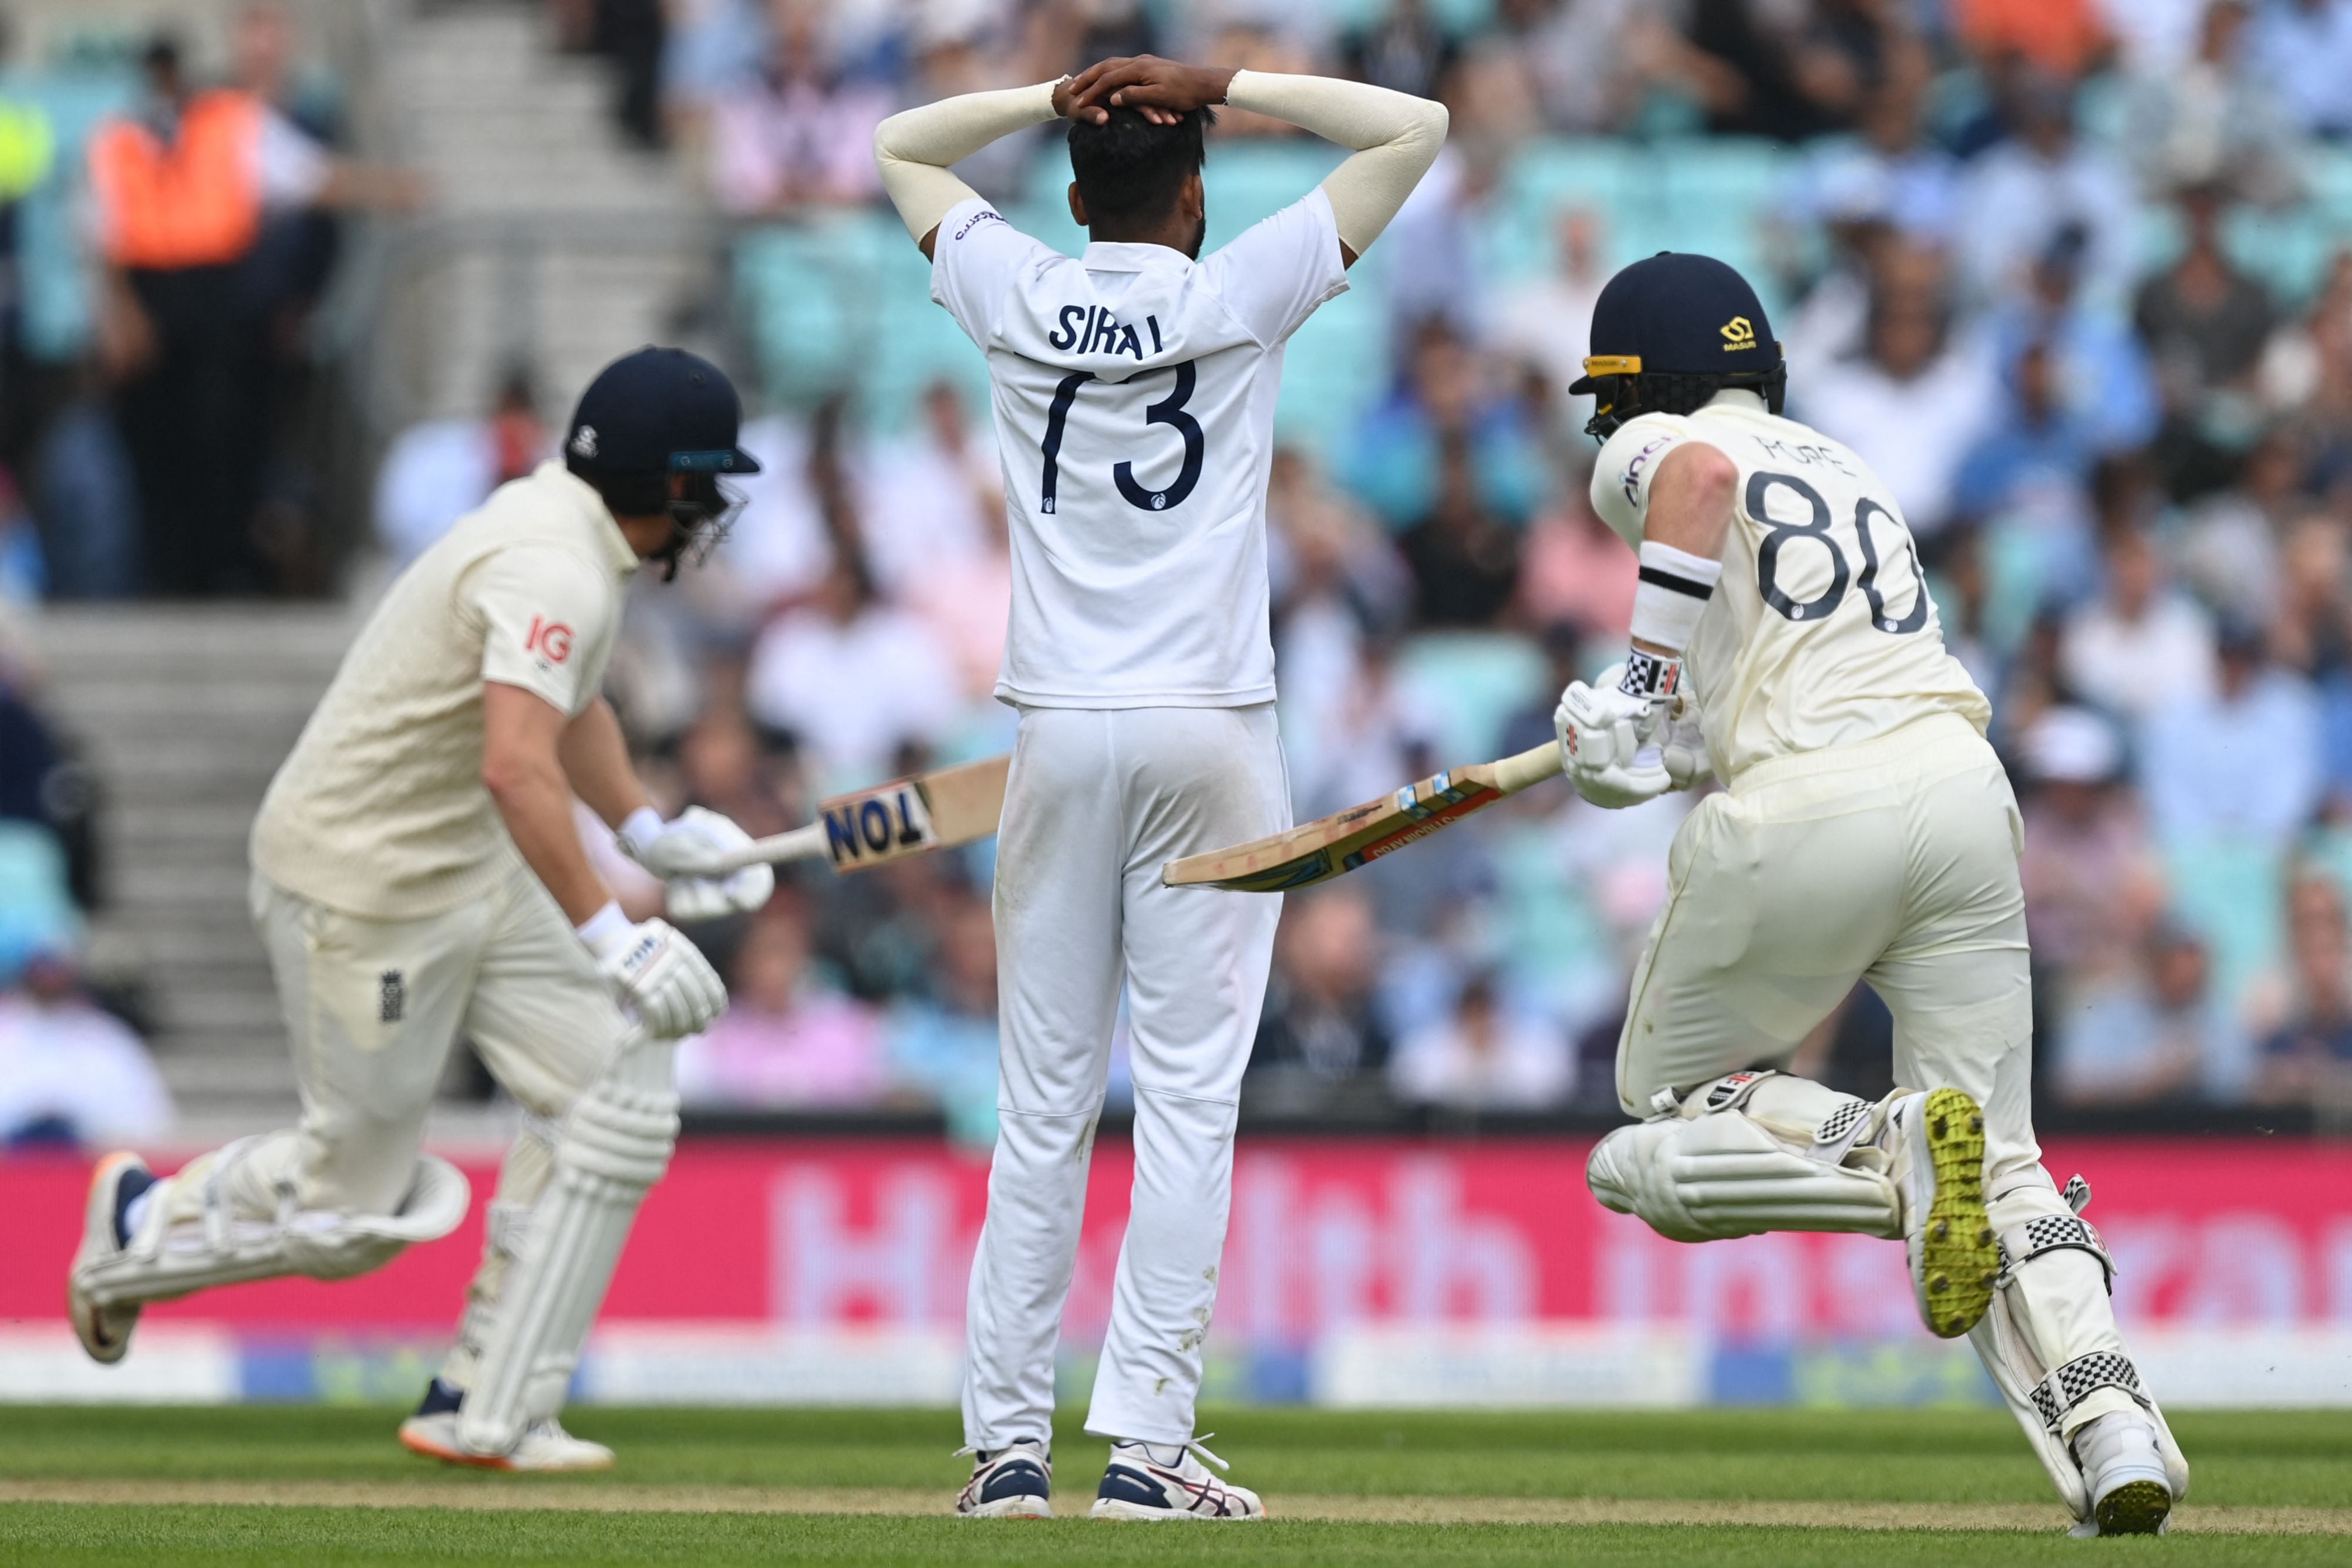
610	1149
192	1240
1747	1153
2050	1340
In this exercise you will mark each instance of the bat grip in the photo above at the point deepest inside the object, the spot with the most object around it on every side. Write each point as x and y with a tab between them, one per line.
801	845
1533	765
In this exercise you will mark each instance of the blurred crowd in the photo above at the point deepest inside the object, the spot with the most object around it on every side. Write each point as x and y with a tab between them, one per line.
2006	244
168	228
2035	260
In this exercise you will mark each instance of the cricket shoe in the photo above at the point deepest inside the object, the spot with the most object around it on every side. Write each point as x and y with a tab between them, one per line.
1939	1169
105	1331
1015	1482
544	1446
1141	1483
2123	1475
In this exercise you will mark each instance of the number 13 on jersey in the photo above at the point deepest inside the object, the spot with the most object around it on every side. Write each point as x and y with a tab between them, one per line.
1169	410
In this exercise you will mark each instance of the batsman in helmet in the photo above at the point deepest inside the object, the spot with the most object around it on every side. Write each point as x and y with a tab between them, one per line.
1784	642
417	873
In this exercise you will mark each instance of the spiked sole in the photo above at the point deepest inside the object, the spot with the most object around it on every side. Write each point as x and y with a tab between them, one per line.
2135	1508
1958	1260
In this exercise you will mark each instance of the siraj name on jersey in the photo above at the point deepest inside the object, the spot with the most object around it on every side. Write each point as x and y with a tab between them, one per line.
1090	329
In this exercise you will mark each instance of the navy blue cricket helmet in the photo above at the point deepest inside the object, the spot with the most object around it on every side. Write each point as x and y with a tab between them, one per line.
1668	333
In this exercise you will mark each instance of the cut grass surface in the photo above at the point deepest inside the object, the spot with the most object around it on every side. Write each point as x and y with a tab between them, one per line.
2270	1458
67	1535
1945	1458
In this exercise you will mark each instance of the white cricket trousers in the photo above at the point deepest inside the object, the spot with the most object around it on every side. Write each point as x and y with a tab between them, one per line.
1096	802
1893	862
371	1007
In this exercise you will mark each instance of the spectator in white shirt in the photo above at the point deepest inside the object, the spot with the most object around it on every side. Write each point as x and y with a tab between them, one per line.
852	679
1482	1059
2018	197
440	469
1913	403
70	1071
931	499
801	135
1546	321
2142	644
2241	763
2157	1033
2303	51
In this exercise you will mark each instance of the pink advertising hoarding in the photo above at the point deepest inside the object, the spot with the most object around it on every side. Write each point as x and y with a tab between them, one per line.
1326	1235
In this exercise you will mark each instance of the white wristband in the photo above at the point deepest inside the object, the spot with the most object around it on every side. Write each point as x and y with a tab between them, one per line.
637	833
1672	595
605	929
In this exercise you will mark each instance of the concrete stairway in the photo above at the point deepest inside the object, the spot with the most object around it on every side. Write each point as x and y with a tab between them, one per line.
184	713
548	240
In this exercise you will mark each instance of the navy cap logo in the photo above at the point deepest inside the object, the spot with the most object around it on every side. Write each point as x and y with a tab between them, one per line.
583	442
1737	333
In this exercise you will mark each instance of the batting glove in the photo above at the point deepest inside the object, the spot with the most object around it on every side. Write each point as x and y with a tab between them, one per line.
1682	747
689	852
661	975
1603	730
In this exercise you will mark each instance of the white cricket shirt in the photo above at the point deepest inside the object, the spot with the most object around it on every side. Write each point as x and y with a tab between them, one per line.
380	811
1822	633
1134	391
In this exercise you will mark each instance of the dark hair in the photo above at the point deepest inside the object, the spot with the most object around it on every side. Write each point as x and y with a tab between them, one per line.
1619	398
1130	170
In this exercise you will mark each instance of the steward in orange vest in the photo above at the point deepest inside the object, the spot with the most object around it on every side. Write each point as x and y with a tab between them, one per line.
194	201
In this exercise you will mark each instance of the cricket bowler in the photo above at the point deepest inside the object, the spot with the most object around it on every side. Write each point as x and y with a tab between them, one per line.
417	873
1783	640
1134	392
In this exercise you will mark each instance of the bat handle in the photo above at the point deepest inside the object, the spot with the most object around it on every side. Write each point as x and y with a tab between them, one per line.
801	845
1533	765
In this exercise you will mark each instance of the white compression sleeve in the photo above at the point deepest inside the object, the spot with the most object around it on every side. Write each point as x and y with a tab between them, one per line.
913	148
1395	137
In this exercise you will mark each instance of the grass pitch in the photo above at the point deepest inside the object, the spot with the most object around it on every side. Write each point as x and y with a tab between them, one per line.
250	1486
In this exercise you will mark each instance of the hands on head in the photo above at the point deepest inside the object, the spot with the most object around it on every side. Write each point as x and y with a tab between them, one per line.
1163	91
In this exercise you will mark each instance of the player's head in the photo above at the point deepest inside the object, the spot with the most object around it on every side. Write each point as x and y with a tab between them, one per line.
1133	180
653	434
1670	331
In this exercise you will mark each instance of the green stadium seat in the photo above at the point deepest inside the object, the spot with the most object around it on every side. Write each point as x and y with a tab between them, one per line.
1475	680
2229	894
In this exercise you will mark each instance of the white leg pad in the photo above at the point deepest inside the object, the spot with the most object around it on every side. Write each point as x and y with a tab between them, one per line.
522	1181
1747	1153
610	1148
2050	1339
192	1241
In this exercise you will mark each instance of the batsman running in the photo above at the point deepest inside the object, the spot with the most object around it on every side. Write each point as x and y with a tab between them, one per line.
1783	639
1134	391
416	874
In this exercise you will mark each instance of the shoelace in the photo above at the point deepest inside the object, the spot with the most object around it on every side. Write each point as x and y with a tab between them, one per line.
1196	1445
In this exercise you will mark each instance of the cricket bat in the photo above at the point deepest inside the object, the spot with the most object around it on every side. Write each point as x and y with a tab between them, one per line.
1338	845
936	811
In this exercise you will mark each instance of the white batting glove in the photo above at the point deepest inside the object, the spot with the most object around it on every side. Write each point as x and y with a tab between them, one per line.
664	976
1604	732
1682	747
686	853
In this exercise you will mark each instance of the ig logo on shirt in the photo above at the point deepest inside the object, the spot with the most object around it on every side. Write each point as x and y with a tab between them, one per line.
550	640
